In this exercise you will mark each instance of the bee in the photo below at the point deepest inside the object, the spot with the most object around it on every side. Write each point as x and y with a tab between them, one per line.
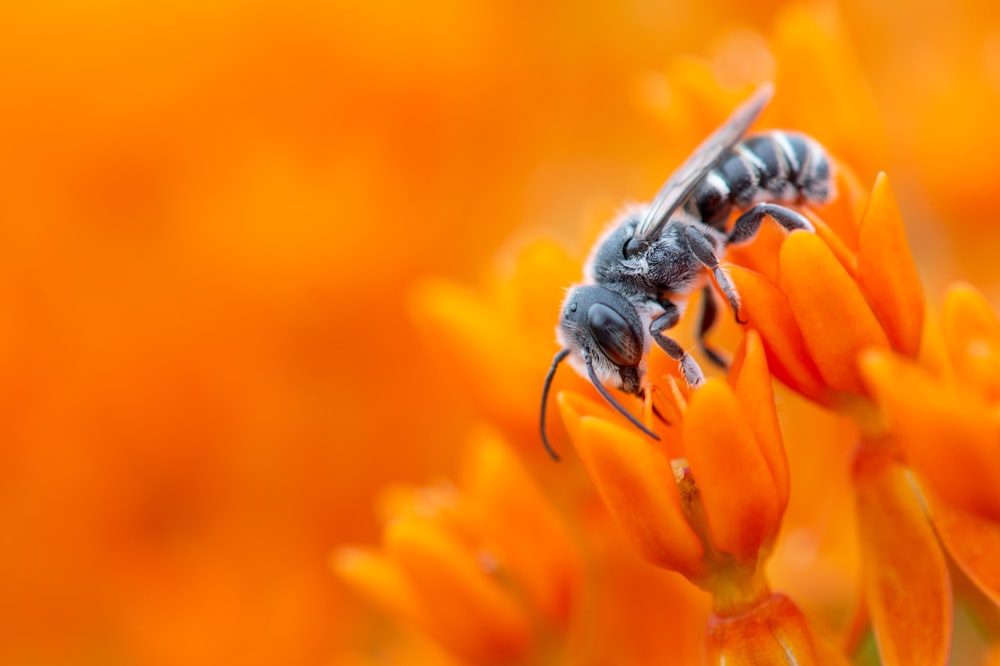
642	270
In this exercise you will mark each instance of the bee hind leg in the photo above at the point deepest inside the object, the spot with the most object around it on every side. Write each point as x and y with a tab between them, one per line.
747	224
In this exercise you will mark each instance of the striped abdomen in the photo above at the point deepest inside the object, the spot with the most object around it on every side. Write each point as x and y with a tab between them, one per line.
783	167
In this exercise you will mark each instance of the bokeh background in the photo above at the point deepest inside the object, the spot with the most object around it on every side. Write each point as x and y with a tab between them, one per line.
211	214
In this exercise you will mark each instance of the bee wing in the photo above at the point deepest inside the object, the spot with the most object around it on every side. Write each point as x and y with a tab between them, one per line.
683	181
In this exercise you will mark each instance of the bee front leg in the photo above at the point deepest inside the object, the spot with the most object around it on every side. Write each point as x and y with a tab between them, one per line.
704	251
689	367
747	224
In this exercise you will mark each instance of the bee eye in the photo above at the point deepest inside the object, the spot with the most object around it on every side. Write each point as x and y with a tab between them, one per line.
613	335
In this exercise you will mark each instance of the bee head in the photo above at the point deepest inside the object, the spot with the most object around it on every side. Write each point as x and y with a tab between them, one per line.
601	332
601	325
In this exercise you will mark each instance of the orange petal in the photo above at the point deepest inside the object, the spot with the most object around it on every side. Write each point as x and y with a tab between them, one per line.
821	87
637	484
440	501
972	542
972	333
379	579
934	352
768	311
833	316
698	103
752	386
535	290
887	273
946	432
842	214
468	332
465	609
904	572
774	632
514	512
733	478
836	245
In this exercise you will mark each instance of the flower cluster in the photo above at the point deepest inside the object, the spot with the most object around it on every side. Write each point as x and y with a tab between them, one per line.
486	568
708	504
838	318
217	267
849	334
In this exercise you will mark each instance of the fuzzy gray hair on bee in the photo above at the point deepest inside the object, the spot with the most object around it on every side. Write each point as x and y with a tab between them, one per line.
642	270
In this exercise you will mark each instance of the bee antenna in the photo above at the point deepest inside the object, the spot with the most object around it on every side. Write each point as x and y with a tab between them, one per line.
562	354
614	403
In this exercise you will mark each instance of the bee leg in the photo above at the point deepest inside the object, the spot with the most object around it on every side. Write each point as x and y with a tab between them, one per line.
689	367
704	251
706	320
748	223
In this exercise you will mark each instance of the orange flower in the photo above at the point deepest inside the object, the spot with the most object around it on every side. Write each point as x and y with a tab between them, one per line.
207	366
904	573
842	296
454	564
943	415
708	505
474	332
710	511
956	402
826	309
844	319
830	301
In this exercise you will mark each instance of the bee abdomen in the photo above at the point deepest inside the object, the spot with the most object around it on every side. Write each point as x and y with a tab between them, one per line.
783	167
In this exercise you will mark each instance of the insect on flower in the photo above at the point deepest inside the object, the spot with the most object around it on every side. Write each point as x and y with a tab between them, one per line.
642	270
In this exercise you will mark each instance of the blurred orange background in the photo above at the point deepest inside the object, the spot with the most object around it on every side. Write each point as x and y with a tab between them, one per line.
212	213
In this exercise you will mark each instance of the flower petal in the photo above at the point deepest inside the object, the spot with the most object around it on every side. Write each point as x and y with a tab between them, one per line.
637	484
972	542
465	609
904	572
752	386
440	502
470	331
769	312
829	99
534	291
732	476
378	578
934	352
833	316
842	214
945	431
836	244
514	512
472	335
972	333
886	271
